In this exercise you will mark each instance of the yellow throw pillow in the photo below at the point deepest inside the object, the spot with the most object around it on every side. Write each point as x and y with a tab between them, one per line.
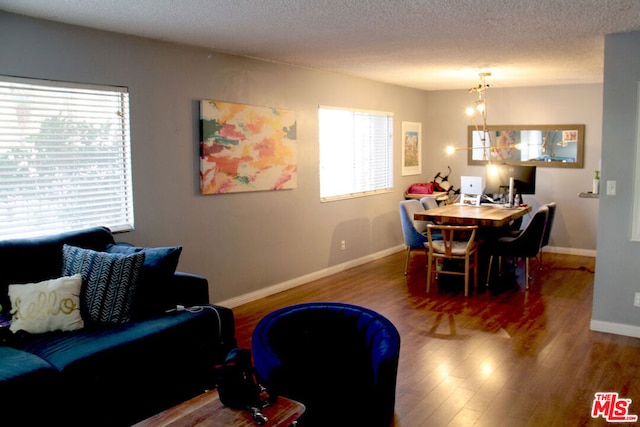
52	305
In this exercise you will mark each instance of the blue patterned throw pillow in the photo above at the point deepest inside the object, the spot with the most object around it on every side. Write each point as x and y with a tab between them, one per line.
108	282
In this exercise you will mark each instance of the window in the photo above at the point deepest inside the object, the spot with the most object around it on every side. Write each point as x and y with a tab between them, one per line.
356	153
65	159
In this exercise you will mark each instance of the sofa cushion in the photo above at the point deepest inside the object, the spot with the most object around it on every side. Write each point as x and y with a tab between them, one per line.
166	359
29	389
109	283
32	260
47	306
152	295
16	364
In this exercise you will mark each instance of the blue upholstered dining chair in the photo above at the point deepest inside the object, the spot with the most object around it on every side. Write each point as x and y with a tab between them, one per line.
340	360
429	202
414	232
525	245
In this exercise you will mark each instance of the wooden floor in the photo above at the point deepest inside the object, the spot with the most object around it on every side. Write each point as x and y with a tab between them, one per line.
503	358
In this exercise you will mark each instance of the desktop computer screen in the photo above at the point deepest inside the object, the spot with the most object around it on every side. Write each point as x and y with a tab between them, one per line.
524	178
471	185
471	189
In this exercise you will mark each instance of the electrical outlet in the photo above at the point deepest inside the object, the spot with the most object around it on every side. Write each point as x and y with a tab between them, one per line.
636	300
343	245
611	188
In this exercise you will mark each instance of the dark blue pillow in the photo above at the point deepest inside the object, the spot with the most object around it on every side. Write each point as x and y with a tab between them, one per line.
153	292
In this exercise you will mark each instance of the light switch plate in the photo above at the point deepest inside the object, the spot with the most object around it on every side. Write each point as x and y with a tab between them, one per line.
611	188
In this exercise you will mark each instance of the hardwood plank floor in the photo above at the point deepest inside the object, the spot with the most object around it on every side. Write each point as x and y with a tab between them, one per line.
504	358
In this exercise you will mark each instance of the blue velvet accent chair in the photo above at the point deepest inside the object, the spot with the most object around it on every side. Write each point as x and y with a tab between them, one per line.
339	360
414	232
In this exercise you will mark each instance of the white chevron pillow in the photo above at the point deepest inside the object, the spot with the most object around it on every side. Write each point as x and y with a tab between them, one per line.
109	282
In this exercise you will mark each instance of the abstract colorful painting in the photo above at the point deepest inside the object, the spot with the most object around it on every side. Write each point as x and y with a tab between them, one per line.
246	148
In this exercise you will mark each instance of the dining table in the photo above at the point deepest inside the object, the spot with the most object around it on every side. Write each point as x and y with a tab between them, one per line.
486	215
494	221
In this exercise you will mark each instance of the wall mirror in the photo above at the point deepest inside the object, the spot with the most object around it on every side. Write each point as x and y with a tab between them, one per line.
560	146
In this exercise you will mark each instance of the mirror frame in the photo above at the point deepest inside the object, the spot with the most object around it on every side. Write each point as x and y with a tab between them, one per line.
579	163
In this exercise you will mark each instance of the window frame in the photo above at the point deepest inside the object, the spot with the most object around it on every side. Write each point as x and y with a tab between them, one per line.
361	160
74	139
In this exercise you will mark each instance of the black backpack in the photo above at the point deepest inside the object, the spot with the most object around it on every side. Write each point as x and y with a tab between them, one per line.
238	387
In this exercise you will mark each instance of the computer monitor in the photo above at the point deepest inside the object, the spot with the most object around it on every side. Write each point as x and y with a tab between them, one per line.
471	185
524	178
471	188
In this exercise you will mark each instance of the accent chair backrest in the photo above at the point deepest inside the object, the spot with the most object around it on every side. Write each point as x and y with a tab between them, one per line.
31	260
547	230
529	241
429	202
407	209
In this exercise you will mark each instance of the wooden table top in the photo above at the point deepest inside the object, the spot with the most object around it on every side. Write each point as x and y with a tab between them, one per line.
207	410
483	216
435	195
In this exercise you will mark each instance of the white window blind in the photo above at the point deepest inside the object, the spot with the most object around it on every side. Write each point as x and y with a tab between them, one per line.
65	159
356	153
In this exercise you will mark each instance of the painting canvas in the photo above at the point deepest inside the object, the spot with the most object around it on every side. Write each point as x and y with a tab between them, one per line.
411	148
246	148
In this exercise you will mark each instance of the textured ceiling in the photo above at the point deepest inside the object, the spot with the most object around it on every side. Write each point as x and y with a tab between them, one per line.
426	44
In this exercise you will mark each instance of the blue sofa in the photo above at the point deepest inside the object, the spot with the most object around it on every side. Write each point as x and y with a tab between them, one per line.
109	374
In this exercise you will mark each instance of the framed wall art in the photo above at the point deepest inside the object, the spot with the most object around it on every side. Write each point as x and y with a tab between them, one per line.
411	148
246	148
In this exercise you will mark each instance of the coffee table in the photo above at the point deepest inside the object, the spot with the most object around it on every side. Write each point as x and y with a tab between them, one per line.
207	410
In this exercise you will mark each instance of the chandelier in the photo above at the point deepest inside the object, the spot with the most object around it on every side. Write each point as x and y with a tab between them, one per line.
478	114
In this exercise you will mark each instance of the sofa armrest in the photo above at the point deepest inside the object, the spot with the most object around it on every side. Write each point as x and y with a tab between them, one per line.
188	289
192	292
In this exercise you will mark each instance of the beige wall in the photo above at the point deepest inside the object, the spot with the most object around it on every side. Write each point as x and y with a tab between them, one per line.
246	243
575	226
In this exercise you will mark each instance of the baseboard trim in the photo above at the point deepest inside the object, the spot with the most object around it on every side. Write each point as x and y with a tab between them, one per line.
289	284
570	251
615	328
297	281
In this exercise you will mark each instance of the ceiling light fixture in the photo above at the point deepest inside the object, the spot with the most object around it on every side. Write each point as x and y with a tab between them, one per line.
478	114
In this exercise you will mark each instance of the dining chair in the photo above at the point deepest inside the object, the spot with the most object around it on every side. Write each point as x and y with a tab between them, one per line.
412	230
547	230
429	202
457	243
525	245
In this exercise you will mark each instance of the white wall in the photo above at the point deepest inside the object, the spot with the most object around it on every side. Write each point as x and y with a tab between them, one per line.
244	243
617	266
